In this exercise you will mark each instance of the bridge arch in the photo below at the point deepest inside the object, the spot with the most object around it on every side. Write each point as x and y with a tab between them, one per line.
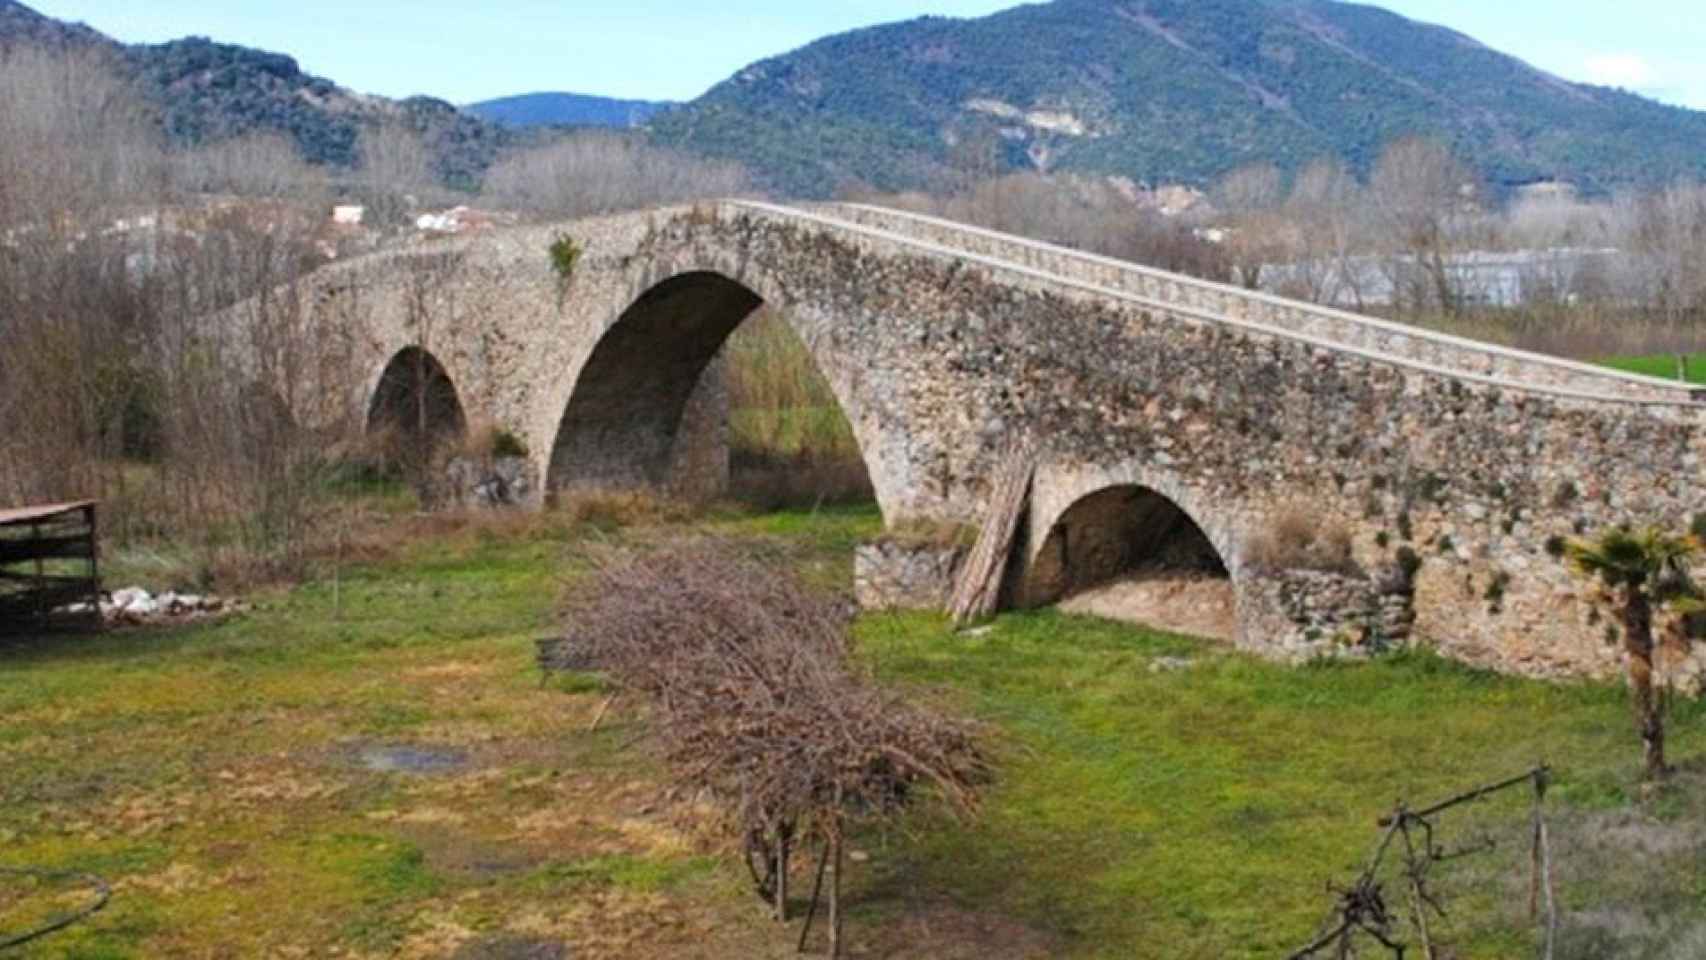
635	412
1091	528
415	406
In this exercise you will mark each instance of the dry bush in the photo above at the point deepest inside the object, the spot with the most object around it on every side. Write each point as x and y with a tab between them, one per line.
1296	539
596	172
616	509
257	166
753	699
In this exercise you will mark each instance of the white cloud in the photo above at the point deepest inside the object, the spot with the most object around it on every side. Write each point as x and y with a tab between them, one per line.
1628	70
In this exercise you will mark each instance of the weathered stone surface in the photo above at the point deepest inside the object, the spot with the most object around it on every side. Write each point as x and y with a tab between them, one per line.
942	343
891	575
490	482
1299	614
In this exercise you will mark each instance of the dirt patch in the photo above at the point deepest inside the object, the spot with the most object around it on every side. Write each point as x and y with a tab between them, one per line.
1188	603
512	948
942	931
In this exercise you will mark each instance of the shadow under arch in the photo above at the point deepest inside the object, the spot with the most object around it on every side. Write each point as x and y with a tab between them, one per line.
1117	531
642	414
417	400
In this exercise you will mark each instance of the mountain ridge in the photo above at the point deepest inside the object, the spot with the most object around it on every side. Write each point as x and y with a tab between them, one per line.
1169	91
559	108
204	91
1153	91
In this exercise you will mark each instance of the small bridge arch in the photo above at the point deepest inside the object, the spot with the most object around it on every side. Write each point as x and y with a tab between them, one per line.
416	402
1090	528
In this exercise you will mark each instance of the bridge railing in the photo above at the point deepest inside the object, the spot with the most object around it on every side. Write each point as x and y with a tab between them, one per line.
1321	323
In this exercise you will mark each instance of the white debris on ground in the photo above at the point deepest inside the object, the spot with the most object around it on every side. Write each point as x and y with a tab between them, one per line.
134	606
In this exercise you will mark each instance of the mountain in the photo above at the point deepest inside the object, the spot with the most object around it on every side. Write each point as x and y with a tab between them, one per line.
566	110
1168	91
205	92
20	24
211	91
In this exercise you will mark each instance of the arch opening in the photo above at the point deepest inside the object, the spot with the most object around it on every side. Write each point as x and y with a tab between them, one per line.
1130	553
415	411
667	402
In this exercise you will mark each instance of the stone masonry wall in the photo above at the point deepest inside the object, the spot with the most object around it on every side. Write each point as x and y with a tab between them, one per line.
939	357
1337	326
892	575
1299	614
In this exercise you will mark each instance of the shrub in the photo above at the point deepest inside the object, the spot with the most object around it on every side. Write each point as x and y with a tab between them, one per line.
1297	540
753	700
1409	563
506	444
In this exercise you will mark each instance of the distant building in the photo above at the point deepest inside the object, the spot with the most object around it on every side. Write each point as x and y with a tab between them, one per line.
1501	279
1555	190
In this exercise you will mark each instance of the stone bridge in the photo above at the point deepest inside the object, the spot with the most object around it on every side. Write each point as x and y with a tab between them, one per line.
1171	416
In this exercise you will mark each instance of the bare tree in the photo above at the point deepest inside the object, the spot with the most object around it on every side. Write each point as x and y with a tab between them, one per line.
1425	200
1249	199
1324	232
395	170
1083	213
590	173
1666	234
123	374
259	165
74	136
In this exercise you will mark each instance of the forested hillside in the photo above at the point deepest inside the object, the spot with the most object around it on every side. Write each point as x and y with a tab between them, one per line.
1169	91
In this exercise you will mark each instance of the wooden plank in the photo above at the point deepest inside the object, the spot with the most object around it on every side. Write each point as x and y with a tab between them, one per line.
978	592
43	512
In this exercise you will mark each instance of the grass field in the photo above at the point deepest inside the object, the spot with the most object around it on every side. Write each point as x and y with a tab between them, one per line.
1662	366
240	785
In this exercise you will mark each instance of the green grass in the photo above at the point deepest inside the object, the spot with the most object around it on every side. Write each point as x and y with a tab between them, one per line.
1206	809
210	773
1662	366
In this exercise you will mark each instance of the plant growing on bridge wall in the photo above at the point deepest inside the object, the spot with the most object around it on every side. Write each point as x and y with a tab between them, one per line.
565	255
1645	575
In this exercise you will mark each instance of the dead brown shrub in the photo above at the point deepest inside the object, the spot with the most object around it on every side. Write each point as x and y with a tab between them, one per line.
616	509
1295	539
753	699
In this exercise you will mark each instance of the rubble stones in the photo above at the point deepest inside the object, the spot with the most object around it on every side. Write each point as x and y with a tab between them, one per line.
892	575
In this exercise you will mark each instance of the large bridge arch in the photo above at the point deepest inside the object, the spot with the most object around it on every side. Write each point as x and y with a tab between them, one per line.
638	393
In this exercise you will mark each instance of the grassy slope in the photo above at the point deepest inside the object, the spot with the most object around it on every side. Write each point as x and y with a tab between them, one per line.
210	773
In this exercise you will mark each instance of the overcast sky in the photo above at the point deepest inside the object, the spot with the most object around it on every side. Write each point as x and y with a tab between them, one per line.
675	49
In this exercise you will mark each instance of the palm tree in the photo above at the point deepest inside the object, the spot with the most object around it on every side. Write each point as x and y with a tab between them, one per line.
1645	573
